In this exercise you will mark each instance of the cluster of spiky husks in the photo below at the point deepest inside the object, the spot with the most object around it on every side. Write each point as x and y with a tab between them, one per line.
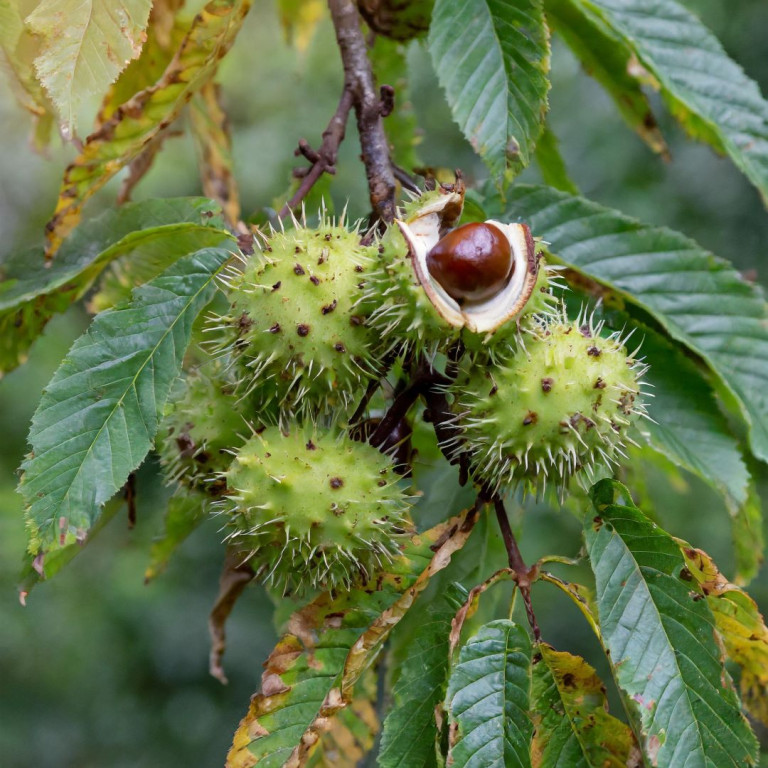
314	509
294	333
202	425
562	404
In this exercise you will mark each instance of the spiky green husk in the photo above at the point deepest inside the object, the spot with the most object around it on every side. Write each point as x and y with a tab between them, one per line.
396	304
294	334
561	405
201	425
314	510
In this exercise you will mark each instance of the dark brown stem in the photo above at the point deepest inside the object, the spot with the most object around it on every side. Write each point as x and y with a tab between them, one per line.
358	81
517	564
323	160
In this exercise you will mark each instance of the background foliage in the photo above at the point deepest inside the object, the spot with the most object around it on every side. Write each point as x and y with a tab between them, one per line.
101	670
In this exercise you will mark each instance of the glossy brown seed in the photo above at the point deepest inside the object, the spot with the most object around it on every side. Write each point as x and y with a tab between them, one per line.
472	262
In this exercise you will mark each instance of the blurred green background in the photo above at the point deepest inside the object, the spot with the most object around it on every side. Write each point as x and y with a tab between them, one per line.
101	670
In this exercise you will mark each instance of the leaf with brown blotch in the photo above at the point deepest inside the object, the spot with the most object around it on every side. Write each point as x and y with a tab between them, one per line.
135	123
352	732
210	131
571	719
311	674
740	625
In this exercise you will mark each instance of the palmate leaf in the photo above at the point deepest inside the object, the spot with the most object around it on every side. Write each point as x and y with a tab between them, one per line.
570	714
410	730
85	46
99	414
117	142
32	289
659	635
311	674
698	299
609	59
492	59
489	699
706	90
740	626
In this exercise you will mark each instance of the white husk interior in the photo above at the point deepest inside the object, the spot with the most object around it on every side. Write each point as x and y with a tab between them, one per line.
423	233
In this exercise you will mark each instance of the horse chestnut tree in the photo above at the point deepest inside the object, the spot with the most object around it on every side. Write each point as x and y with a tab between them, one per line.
374	403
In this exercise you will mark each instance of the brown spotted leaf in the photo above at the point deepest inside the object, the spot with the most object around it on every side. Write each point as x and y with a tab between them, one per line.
311	674
353	731
570	715
659	635
136	122
741	627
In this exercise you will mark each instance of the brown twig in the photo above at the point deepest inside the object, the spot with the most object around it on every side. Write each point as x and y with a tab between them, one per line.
517	564
358	81
324	159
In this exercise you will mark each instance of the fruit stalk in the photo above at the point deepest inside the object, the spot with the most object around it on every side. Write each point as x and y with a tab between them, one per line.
517	564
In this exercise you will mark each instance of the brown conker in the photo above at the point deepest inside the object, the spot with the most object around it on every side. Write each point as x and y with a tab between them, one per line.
472	262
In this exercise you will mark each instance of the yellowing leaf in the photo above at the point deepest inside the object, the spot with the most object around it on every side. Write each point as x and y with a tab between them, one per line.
570	715
740	625
352	732
299	19
210	129
314	671
85	46
123	137
18	49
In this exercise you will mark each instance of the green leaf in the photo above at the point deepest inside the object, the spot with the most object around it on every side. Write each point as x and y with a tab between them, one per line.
99	414
551	163
698	299
706	90
311	674
186	510
570	714
489	698
85	46
410	730
660	639
151	234
688	427
741	627
124	136
35	569
492	59
610	60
